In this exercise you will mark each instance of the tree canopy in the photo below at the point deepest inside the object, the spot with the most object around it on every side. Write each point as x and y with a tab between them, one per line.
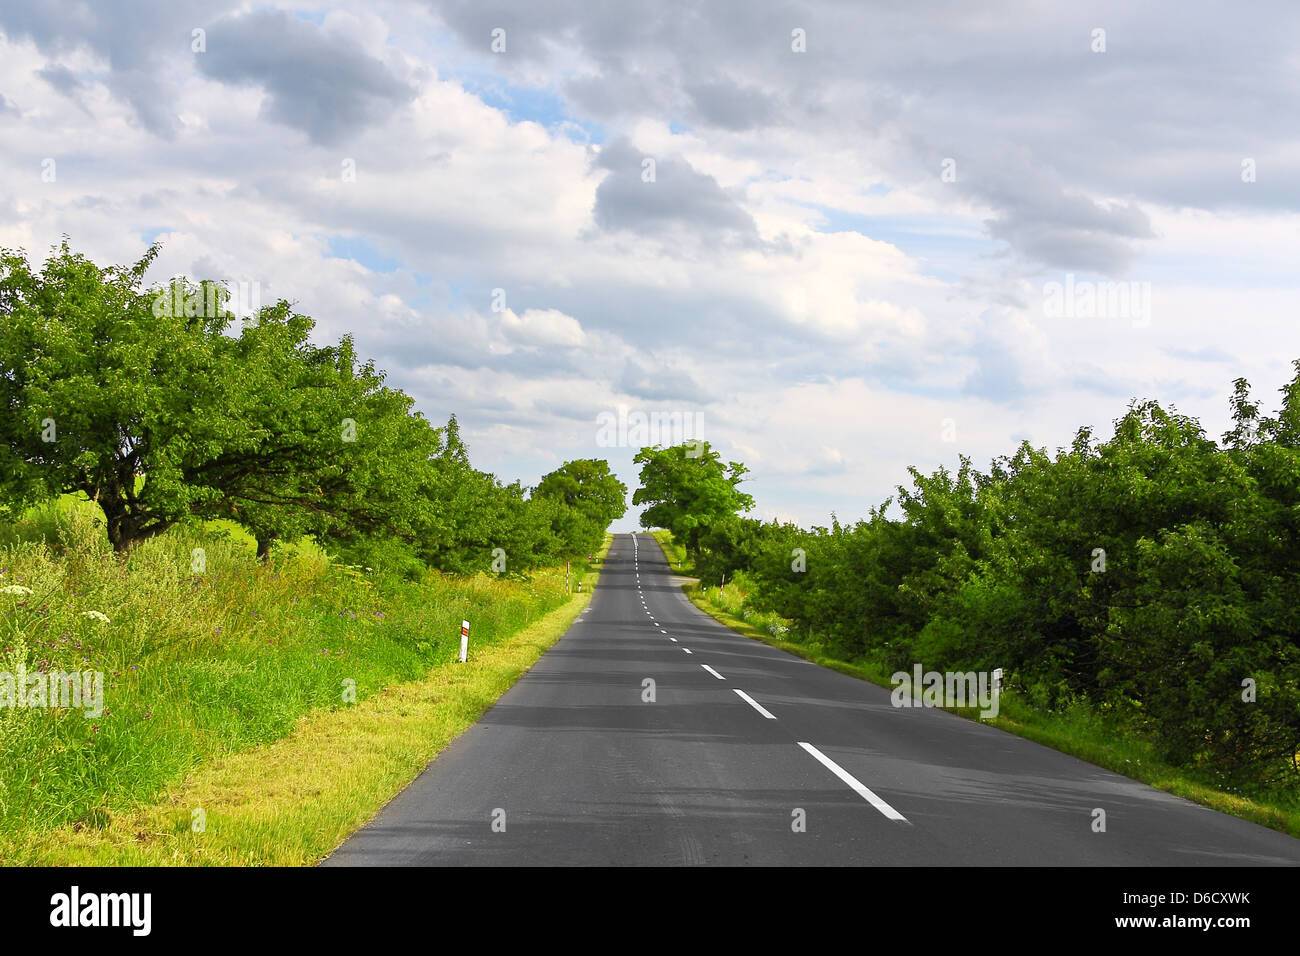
593	496
688	489
160	415
161	406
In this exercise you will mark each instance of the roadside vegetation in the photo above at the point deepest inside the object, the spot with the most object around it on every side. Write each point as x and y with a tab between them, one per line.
247	536
1138	593
227	693
164	408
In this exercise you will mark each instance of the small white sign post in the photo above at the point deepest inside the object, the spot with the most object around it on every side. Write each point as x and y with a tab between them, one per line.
997	678
464	640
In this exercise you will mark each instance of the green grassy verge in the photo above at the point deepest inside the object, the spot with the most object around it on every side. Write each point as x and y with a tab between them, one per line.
227	689
1078	731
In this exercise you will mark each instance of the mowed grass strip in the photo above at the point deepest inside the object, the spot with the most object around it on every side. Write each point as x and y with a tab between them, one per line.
291	802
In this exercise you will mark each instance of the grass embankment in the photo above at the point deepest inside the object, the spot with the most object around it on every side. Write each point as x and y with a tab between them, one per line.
226	690
1079	730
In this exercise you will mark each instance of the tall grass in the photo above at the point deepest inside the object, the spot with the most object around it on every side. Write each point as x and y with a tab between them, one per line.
202	660
730	598
733	598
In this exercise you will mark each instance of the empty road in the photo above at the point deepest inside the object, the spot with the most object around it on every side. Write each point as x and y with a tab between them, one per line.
749	756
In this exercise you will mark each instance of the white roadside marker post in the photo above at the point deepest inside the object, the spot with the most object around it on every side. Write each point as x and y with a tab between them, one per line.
464	640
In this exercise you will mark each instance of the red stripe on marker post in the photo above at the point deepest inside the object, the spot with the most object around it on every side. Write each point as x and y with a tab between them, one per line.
464	640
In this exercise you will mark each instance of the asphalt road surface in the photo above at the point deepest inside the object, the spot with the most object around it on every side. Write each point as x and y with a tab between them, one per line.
749	756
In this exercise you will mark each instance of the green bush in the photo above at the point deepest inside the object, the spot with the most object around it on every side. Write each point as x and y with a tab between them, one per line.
1147	581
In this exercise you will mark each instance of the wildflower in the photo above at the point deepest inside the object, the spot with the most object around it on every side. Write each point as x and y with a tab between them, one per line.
15	589
97	615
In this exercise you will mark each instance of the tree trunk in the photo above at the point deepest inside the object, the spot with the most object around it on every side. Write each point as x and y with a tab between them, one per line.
122	528
126	529
264	542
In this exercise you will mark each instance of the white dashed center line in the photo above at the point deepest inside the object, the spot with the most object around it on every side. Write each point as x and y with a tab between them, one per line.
755	704
853	782
713	672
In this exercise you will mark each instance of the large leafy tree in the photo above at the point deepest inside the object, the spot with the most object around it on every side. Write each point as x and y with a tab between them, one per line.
162	414
349	461
591	497
688	489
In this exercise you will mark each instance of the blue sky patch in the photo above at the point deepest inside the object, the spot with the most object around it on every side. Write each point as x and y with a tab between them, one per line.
534	104
361	251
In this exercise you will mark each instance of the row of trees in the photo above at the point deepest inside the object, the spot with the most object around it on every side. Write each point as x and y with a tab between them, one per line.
1154	574
152	403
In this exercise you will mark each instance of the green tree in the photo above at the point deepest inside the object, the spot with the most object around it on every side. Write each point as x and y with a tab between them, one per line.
340	456
160	415
688	489
591	497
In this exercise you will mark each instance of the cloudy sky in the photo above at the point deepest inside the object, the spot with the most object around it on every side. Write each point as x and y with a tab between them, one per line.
841	237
